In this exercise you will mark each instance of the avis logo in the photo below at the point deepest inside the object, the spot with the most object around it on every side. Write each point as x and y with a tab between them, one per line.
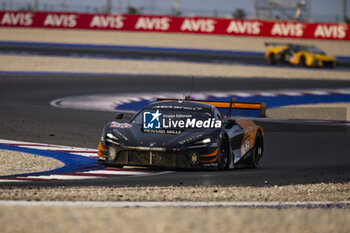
151	120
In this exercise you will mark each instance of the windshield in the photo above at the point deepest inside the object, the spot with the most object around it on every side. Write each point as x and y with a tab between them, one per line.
171	114
314	50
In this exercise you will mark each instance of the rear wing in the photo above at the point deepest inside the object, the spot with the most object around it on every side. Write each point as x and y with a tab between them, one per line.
230	106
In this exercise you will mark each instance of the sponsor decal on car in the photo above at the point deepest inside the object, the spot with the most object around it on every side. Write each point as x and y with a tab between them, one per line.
245	146
117	132
152	120
191	139
162	131
120	125
158	120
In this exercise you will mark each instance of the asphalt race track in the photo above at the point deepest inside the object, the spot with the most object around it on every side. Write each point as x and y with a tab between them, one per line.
143	53
295	152
131	52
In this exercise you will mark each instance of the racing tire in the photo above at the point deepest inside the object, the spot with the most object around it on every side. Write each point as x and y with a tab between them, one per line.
222	159
302	61
272	59
257	151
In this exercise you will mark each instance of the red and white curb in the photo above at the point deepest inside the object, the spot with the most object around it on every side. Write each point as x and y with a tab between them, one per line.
109	102
92	153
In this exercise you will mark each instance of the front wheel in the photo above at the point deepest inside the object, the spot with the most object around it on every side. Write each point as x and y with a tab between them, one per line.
223	155
302	61
272	59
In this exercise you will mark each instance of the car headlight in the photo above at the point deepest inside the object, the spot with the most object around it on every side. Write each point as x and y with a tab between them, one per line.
200	143
204	141
112	139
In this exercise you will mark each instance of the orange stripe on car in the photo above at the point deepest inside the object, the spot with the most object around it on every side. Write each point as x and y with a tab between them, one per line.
101	150
215	153
212	154
99	153
211	161
100	147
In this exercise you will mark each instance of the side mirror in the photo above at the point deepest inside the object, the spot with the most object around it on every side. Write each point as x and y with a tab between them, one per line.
119	115
230	123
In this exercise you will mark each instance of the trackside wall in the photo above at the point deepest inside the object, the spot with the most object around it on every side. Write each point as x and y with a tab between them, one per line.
188	25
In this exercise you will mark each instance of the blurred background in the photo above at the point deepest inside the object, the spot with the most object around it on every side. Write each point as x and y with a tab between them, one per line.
300	10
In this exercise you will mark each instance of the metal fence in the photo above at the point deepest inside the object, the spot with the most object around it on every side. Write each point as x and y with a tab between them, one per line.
104	7
122	7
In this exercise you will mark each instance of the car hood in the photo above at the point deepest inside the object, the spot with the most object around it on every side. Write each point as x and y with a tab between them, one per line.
323	57
176	138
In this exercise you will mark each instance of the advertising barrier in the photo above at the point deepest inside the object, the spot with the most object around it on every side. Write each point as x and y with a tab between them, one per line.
155	23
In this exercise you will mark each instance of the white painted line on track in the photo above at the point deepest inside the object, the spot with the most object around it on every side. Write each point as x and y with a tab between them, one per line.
123	204
293	94
11	180
121	172
267	94
61	177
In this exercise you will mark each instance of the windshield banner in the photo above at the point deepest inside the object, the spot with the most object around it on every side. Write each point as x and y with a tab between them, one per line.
159	120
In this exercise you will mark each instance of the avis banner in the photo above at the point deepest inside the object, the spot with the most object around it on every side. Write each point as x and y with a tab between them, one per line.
153	23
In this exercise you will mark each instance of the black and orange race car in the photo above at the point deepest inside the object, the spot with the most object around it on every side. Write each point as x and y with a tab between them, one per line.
299	55
184	134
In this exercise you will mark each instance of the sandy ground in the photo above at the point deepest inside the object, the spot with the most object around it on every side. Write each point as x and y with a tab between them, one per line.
12	162
154	220
337	111
92	65
304	192
162	39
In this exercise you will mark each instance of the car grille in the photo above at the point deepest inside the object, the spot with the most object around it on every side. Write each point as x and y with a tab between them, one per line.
152	158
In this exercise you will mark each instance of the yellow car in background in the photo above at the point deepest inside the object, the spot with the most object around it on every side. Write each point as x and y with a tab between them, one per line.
299	55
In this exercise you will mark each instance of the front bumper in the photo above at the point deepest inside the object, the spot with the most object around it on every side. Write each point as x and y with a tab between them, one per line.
157	157
323	63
